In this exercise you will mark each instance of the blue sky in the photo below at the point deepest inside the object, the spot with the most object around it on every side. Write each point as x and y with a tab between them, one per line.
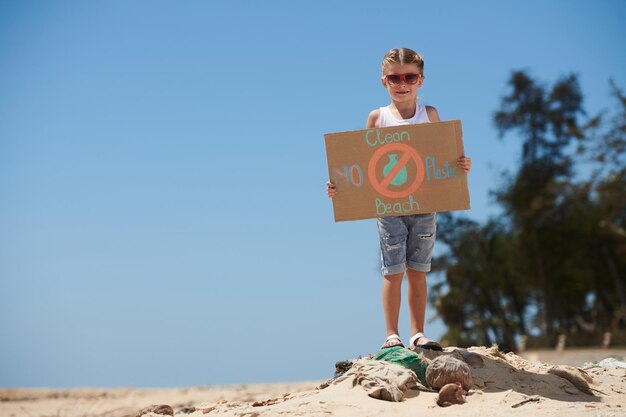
163	218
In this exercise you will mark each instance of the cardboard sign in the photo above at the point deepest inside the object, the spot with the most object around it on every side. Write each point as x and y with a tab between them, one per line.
397	170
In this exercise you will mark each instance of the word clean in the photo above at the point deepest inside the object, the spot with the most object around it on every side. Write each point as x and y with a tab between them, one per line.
374	138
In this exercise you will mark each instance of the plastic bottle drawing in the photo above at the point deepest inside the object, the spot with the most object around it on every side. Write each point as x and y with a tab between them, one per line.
401	176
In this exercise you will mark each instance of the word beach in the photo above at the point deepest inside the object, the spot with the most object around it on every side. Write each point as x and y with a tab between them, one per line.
398	208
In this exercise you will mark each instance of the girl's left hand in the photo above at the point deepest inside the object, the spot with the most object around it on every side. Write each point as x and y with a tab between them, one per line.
465	163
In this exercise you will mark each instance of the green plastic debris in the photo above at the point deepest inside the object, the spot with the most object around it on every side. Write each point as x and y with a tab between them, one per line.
406	358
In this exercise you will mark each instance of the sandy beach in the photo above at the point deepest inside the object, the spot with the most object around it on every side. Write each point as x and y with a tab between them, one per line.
503	384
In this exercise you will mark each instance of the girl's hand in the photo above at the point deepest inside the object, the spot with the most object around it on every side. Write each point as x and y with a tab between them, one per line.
465	163
332	190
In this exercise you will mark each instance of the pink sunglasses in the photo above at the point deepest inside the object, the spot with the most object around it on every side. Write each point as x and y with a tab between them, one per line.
395	79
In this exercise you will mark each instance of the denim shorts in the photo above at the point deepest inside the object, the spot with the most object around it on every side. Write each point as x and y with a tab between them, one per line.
407	242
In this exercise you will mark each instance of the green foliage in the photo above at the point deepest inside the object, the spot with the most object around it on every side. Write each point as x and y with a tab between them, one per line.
556	261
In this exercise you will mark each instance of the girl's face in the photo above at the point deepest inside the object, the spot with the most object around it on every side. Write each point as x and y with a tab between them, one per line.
403	88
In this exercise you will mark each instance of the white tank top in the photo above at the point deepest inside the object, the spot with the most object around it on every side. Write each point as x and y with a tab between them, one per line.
388	119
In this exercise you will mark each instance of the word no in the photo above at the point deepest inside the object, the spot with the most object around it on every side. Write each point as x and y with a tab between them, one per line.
348	175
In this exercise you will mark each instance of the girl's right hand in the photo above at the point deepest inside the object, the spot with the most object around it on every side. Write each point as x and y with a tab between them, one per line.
332	190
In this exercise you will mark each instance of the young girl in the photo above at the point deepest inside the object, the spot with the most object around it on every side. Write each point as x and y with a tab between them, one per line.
406	242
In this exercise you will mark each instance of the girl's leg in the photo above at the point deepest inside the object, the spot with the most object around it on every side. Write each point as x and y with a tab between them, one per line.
417	295
392	289
392	233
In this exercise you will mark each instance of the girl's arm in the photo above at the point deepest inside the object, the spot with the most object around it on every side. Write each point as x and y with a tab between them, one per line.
432	113
373	119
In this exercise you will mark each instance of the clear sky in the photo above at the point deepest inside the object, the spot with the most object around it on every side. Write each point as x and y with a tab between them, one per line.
163	217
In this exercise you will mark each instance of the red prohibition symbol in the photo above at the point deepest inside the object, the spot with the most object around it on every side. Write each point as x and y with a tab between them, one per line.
409	154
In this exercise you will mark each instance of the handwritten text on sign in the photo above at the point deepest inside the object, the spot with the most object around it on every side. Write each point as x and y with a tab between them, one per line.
396	171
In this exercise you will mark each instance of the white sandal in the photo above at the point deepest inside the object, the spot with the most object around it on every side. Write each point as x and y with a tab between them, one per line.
392	337
432	345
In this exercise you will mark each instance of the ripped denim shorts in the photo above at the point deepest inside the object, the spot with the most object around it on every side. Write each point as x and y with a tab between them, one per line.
407	242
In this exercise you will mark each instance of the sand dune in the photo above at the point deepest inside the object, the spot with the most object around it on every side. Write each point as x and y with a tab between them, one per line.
503	385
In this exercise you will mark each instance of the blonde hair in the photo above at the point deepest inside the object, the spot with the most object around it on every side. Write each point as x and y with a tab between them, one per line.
402	56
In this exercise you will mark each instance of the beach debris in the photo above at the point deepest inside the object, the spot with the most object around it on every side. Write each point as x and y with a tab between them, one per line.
342	367
611	363
534	399
451	394
381	380
447	369
159	409
579	378
472	359
405	357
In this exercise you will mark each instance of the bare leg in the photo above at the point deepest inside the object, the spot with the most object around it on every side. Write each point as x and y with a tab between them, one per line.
392	291
417	295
